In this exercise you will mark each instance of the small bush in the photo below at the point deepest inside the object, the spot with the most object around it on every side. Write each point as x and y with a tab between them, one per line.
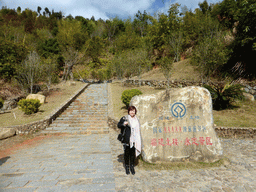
127	95
29	106
1	103
224	95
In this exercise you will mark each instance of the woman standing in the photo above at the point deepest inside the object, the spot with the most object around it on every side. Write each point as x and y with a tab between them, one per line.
130	126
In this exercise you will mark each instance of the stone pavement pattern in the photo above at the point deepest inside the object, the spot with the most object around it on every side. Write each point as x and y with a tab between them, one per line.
94	162
237	176
73	162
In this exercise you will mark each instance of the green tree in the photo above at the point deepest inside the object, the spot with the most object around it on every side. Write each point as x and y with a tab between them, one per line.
11	55
48	48
94	50
141	22
204	7
210	55
38	10
241	61
67	30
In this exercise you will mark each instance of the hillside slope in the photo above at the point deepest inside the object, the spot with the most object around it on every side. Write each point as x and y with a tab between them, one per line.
182	70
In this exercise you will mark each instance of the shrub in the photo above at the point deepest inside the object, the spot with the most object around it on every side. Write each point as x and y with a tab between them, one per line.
1	103
29	106
127	95
224	95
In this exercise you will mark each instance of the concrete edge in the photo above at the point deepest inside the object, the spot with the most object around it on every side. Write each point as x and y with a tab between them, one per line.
48	119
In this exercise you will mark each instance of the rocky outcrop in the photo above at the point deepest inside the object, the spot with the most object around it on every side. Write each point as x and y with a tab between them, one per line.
178	125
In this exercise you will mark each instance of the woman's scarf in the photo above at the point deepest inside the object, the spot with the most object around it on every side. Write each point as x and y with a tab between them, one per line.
135	134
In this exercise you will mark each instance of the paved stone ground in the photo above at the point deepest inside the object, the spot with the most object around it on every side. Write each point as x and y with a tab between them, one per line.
239	175
94	162
78	161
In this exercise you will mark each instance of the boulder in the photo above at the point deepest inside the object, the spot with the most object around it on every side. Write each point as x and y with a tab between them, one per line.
249	96
41	98
6	132
177	125
11	103
71	83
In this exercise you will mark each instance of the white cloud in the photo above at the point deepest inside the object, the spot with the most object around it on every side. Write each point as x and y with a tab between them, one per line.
101	8
85	8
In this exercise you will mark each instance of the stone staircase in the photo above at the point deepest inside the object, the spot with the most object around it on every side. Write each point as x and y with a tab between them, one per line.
86	115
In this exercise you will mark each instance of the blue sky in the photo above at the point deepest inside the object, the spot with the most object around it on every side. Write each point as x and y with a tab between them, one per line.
104	9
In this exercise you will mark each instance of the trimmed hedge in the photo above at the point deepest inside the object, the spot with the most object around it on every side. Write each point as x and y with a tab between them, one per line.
29	106
127	95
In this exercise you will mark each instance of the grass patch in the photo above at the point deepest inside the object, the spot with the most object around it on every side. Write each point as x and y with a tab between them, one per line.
181	165
241	114
59	95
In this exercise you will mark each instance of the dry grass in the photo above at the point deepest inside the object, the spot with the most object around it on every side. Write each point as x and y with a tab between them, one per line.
242	114
60	94
182	70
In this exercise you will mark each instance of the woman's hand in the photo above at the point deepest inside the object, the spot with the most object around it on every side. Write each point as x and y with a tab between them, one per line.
126	123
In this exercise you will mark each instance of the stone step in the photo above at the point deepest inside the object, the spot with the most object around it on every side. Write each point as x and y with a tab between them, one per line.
76	131
86	115
90	124
80	119
75	128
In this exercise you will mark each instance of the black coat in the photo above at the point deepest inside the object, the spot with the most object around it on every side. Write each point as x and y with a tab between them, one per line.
125	128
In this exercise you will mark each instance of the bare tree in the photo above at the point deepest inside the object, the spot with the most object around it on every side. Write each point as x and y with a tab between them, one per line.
166	64
176	41
49	67
72	57
29	72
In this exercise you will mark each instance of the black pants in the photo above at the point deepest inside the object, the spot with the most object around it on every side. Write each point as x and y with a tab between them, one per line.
129	155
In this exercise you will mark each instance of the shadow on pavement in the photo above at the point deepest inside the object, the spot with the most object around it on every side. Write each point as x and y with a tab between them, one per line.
4	159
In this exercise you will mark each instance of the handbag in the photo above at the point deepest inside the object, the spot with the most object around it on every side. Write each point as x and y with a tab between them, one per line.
120	137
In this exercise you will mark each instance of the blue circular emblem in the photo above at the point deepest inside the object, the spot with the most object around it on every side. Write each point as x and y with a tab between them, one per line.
178	110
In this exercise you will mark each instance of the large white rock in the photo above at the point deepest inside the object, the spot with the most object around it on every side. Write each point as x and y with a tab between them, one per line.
6	132
41	98
178	125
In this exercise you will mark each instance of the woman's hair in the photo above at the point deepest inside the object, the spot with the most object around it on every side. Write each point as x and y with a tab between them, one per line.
132	108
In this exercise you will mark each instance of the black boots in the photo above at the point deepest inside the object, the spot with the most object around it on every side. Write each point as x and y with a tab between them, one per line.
132	169
127	169
129	158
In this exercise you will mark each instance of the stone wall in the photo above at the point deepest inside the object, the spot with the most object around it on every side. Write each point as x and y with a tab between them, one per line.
223	132
248	87
42	124
235	132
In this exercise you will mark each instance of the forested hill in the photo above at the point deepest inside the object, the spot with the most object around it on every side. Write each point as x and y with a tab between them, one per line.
42	45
